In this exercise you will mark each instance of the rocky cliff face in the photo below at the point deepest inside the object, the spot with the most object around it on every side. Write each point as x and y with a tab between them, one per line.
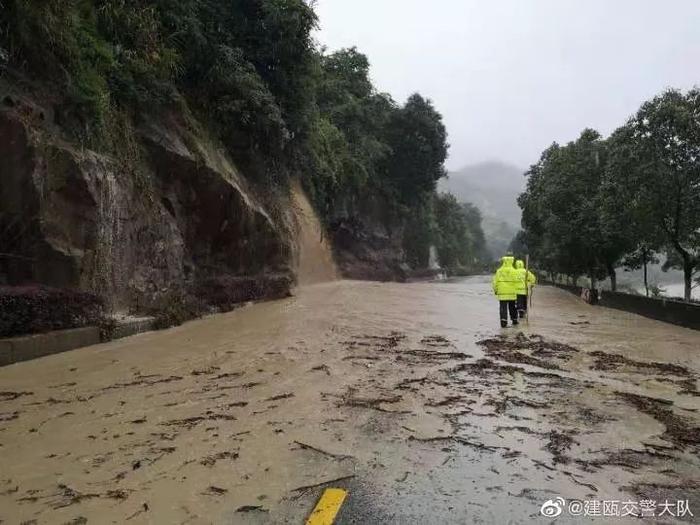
366	246
366	250
179	217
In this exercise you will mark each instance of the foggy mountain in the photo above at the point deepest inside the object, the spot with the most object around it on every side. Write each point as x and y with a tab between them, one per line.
494	188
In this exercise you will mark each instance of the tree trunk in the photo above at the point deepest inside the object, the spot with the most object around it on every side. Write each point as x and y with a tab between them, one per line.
688	264
646	279
613	278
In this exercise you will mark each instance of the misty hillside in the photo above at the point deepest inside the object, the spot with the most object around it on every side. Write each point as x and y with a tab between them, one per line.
494	188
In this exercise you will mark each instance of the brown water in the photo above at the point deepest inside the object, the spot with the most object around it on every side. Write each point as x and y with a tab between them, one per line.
227	419
315	264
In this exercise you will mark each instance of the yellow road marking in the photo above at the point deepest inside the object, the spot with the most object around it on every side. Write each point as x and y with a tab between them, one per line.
327	507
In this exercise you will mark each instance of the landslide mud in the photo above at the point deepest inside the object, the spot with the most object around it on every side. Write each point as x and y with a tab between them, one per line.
407	395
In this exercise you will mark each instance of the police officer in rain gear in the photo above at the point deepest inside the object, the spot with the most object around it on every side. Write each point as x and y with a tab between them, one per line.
505	286
526	280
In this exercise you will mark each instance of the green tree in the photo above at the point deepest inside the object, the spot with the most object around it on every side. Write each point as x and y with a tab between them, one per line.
418	141
642	257
460	240
561	211
623	216
473	218
420	233
518	246
351	112
666	179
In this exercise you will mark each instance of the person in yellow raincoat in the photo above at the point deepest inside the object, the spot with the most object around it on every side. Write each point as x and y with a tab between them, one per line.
526	280
505	286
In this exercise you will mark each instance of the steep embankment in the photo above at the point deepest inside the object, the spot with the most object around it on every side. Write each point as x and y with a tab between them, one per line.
315	263
181	218
177	218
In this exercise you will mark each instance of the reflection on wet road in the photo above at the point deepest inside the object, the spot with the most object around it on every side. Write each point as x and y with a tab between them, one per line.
407	395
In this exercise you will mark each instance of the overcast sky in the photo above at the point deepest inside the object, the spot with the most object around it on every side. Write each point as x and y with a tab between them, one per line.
512	76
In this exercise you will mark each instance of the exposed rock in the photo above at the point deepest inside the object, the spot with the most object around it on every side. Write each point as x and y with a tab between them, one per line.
368	250
180	217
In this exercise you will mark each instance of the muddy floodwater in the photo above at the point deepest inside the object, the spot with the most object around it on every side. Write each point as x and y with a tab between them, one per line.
408	395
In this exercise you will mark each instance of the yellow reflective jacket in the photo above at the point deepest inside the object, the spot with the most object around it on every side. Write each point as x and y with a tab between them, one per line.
505	280
524	276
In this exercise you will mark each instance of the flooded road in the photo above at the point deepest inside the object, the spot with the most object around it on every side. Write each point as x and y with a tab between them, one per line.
408	395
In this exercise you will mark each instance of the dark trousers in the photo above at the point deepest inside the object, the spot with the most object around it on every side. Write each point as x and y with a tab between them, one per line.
507	307
522	304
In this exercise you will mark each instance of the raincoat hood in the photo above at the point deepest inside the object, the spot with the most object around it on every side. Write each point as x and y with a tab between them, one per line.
525	278
507	261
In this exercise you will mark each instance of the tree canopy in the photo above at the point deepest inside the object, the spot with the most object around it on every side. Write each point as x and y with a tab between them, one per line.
593	204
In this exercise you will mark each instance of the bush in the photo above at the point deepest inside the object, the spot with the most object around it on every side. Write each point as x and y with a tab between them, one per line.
175	308
36	309
225	292
217	294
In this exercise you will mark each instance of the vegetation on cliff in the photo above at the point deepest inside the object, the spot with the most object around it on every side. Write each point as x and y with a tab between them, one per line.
250	71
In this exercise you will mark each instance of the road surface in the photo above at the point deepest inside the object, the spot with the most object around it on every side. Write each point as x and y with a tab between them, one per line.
408	396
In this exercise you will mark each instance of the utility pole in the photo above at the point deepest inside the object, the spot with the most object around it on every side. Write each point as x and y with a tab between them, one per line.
528	300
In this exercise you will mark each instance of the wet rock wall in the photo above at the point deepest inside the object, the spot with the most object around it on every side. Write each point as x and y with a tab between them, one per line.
180	216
